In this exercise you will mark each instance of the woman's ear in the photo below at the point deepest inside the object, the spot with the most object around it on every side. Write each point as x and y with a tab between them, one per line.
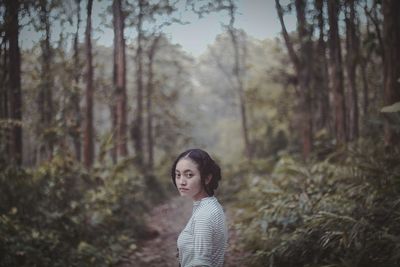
208	179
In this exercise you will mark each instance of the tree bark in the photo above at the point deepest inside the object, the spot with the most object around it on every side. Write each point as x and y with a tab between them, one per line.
322	80
364	59
75	98
336	73
4	88
45	98
391	67
120	80
372	14
352	58
374	17
14	66
149	101
306	55
365	105
238	69
88	144
138	125
303	67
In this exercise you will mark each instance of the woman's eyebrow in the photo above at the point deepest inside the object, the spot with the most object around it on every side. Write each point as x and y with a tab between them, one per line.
185	171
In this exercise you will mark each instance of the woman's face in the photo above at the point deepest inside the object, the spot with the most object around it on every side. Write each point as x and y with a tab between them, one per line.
188	179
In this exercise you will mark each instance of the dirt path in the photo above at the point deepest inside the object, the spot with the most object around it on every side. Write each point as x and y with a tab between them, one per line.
168	220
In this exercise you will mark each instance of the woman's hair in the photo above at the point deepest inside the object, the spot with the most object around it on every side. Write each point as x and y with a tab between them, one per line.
206	166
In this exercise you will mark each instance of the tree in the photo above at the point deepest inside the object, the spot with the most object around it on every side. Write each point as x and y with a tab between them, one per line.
335	62
146	14
119	80
352	58
365	55
239	57
14	74
303	66
391	66
149	98
374	46
4	88
137	134
45	95
238	72
321	76
75	98
88	142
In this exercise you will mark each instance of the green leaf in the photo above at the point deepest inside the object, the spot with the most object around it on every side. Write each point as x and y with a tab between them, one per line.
392	108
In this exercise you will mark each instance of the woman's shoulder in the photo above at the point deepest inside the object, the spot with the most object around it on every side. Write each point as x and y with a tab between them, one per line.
209	209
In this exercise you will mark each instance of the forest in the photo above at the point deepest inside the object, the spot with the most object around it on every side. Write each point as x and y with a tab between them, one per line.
306	128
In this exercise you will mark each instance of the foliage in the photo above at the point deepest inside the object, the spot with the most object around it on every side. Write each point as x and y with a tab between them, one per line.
342	211
392	114
60	215
392	108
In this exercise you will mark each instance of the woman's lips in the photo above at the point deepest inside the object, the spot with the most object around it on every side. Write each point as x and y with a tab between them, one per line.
183	189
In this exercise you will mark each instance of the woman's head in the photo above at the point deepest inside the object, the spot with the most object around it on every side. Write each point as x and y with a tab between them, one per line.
196	164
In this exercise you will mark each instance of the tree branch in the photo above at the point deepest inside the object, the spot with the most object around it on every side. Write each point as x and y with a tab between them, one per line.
288	42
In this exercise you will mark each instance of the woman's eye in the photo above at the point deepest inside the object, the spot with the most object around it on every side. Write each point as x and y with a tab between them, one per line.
177	176
189	175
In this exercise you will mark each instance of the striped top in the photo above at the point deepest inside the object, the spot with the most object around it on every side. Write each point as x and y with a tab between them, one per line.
204	239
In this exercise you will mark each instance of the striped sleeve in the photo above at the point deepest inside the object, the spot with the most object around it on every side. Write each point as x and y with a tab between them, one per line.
203	233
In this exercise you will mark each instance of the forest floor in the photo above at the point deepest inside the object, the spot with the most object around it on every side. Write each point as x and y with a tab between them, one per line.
166	222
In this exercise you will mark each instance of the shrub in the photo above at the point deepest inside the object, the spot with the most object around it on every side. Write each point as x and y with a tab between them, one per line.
58	214
342	211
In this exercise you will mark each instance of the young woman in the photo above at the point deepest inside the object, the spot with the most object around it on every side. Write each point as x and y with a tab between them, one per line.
203	241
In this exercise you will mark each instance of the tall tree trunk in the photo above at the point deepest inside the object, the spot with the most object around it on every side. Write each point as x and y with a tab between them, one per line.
45	98
363	70
304	76
365	56
352	58
303	69
238	70
149	101
4	90
336	73
364	59
14	66
75	98
120	79
113	113
138	125
113	106
373	16
88	145
391	67
323	77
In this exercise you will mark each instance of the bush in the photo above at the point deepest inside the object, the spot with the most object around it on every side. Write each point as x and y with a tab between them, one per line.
339	212
60	215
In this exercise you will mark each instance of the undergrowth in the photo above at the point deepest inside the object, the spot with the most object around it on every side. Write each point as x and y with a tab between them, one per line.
58	214
340	211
